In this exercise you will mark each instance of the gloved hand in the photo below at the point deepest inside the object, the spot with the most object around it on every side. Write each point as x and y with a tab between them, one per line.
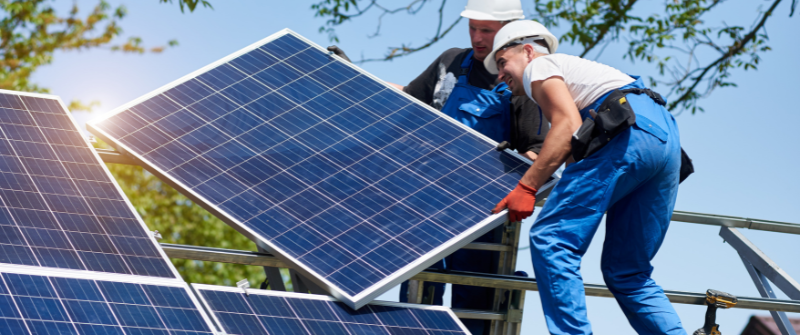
338	52
519	202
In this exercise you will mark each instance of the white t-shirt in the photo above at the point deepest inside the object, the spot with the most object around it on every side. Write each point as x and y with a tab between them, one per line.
586	80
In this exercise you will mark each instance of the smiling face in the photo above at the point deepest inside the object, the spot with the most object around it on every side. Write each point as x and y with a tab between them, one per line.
481	34
511	63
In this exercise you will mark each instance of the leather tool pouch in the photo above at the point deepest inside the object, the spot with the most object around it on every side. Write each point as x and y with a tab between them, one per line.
614	116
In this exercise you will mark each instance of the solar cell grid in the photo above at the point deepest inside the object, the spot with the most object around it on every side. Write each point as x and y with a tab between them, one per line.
270	312
37	304
58	205
351	180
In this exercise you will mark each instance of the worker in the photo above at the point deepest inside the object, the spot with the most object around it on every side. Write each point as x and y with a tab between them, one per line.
457	84
627	158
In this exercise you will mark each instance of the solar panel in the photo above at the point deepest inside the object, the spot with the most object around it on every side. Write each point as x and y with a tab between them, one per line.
73	304
357	184
273	312
59	207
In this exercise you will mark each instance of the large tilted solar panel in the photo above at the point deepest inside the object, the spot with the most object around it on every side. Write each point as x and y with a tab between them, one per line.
59	207
272	312
357	184
45	304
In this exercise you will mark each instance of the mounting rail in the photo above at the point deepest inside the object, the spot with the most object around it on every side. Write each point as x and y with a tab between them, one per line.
466	278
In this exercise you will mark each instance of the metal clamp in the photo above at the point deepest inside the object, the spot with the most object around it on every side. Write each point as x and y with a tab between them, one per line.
244	284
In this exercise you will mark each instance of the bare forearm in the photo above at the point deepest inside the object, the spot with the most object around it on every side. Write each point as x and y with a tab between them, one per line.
555	151
399	87
557	104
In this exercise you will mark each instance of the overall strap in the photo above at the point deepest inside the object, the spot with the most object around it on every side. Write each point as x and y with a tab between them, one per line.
652	94
466	67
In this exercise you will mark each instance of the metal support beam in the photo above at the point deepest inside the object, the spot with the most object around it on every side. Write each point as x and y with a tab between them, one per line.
275	278
752	255
273	274
760	267
478	314
596	290
736	222
468	278
302	285
781	320
222	255
489	246
112	156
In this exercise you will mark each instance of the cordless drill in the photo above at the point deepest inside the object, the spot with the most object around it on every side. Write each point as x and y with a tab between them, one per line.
715	299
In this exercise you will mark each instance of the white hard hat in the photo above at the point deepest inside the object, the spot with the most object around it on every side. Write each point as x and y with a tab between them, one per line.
515	33
493	10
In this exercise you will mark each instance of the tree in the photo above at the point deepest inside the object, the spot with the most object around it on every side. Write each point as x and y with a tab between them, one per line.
31	31
692	57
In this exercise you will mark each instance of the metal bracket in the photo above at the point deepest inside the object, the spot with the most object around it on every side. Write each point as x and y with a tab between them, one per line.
510	228
514	315
243	284
760	267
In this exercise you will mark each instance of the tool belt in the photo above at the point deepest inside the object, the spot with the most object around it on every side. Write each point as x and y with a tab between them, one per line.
614	116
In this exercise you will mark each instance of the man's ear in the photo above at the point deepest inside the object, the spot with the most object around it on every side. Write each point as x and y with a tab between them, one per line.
529	52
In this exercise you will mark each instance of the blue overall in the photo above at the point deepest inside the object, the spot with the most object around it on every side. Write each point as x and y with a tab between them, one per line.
635	179
488	112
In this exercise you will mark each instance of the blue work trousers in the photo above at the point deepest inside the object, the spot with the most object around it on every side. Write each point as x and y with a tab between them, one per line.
635	179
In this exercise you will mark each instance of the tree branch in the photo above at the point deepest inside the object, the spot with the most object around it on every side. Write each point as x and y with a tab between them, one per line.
615	19
733	50
405	50
339	12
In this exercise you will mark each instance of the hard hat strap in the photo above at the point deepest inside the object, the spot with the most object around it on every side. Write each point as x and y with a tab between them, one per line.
528	40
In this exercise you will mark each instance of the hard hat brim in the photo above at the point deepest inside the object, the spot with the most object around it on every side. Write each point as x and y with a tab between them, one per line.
490	64
508	16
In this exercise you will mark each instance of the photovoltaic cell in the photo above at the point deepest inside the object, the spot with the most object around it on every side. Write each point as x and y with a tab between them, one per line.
34	304
357	184
271	312
59	207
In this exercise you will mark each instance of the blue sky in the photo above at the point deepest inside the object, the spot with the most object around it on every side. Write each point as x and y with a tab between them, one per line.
741	145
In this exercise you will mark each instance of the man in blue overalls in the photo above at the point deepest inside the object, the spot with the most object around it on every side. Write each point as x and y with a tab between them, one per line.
458	84
626	155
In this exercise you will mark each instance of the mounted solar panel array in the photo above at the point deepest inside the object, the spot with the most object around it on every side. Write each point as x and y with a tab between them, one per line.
271	312
59	207
74	256
357	184
37	304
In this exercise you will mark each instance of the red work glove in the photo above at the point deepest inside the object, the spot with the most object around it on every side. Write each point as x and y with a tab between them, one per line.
519	202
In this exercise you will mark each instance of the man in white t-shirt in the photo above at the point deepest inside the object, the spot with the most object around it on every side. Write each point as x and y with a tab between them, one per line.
630	169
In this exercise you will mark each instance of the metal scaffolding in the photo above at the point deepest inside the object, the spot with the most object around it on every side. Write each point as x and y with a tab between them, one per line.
506	314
